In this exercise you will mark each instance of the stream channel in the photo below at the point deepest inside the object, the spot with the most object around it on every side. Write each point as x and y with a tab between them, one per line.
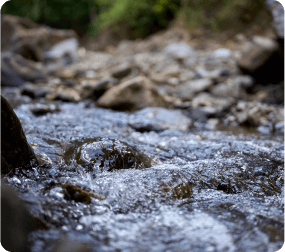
173	188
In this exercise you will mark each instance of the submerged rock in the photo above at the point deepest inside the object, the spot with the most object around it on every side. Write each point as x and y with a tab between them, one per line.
15	150
134	94
107	155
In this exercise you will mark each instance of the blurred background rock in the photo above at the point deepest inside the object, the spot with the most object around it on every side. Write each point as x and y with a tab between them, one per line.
107	22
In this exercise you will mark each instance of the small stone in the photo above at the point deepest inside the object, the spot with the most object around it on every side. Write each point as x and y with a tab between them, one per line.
133	94
179	50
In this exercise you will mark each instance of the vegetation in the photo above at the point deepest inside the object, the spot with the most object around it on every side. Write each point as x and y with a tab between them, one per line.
223	14
141	17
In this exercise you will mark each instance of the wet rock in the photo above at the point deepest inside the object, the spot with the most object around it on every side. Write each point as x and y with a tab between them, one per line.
226	187
28	39
179	51
159	119
133	94
16	70
16	221
73	192
186	91
262	59
107	155
15	150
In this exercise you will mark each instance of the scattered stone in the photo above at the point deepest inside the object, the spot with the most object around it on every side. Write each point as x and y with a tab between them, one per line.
201	72
234	87
262	60
254	114
273	93
279	127
16	70
204	106
65	95
35	91
22	36
15	150
221	53
43	109
121	71
65	73
133	94
179	51
277	13
159	119
96	90
212	123
10	77
63	53
186	91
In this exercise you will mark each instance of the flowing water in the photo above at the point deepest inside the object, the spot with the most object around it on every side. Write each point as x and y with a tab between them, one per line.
116	188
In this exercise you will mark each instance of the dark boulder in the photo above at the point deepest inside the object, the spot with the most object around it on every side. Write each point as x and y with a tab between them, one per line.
15	150
16	221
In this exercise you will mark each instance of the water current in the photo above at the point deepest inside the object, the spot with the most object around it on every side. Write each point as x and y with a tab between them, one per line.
116	188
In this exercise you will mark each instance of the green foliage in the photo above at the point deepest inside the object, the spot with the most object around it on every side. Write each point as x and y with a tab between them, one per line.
221	14
142	16
139	17
56	13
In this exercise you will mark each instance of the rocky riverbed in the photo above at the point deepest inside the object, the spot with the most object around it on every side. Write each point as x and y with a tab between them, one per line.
172	188
155	145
